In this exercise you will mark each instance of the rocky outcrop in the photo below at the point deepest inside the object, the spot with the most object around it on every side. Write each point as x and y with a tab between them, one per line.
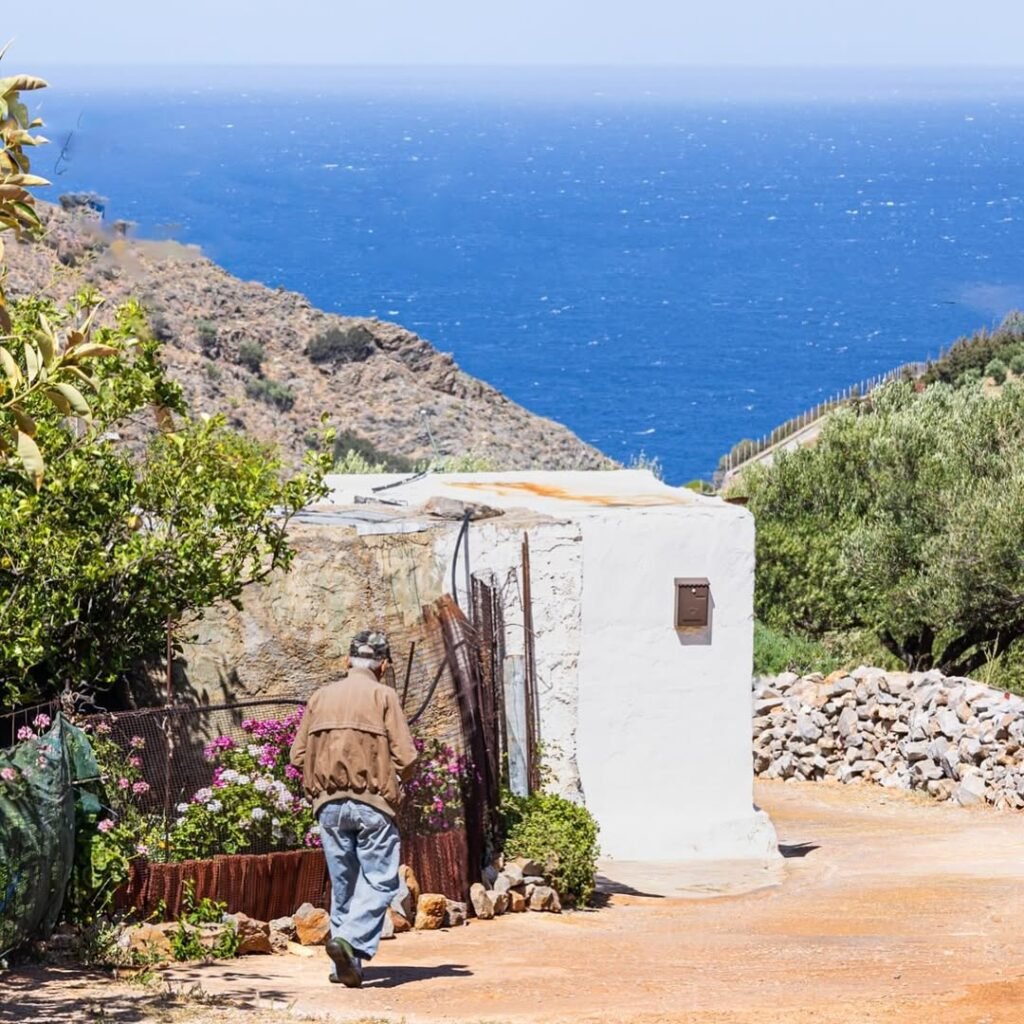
226	340
954	739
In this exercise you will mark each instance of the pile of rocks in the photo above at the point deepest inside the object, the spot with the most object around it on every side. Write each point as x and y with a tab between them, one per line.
515	887
955	739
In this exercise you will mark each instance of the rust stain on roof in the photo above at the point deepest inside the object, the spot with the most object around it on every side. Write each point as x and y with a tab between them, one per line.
561	494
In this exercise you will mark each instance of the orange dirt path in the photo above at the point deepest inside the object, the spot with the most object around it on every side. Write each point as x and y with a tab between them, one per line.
893	909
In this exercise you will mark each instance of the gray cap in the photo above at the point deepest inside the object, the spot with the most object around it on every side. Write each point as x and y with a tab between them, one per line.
370	644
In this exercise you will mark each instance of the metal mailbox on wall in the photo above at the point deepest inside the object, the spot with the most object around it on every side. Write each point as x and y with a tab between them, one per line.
693	604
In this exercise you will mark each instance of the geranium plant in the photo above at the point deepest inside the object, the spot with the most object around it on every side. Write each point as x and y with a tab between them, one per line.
255	800
435	789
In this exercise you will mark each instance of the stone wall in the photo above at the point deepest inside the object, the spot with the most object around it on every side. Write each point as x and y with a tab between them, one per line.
955	739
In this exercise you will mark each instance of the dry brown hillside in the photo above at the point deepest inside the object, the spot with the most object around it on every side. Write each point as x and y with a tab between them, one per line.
274	363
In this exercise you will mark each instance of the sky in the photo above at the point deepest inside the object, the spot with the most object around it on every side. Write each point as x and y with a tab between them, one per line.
630	33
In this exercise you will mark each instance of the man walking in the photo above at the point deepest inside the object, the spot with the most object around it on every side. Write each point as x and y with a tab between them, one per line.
352	746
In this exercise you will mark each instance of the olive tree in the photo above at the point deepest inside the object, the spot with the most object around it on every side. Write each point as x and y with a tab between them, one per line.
906	518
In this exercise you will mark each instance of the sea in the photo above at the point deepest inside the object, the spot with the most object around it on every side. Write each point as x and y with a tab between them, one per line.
665	261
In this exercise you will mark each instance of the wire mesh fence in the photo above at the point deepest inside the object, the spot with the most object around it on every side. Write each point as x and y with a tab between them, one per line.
448	673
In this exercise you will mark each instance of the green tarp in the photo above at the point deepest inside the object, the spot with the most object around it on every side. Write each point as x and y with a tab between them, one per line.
38	790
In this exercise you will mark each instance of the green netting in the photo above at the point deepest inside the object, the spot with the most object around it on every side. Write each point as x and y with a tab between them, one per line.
37	827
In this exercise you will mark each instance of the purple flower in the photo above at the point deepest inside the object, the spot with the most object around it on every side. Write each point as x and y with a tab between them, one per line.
8	774
142	849
291	772
26	733
106	825
218	746
137	742
140	787
123	783
41	722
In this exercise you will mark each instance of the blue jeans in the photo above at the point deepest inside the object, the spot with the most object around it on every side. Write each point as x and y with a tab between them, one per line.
362	851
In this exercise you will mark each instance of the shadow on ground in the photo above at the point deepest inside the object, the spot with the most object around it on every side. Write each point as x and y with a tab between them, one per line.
791	850
67	996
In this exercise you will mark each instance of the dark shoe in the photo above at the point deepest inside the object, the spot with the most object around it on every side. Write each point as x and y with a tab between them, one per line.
348	971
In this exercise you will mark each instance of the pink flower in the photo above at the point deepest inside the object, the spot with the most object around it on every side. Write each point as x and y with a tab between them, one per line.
25	733
135	762
137	742
103	728
291	772
123	783
140	787
41	722
217	746
106	825
8	774
142	849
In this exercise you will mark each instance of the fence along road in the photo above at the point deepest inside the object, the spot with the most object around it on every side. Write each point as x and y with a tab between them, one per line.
804	429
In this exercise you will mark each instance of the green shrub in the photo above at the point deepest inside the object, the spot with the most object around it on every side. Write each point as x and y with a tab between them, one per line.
342	345
1017	364
776	651
996	369
209	342
557	833
272	392
700	486
970	376
212	370
250	355
903	521
355	454
465	463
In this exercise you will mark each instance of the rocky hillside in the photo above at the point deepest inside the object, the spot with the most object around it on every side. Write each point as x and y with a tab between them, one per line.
274	363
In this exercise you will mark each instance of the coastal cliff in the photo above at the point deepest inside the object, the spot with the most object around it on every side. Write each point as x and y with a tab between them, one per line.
273	363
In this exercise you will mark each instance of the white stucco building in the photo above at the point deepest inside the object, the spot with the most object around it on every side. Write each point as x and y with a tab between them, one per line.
643	680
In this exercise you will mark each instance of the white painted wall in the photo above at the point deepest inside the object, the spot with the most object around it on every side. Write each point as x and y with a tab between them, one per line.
664	727
652	732
556	554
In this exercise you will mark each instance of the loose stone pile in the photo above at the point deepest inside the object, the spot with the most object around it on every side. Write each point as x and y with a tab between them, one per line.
515	887
956	739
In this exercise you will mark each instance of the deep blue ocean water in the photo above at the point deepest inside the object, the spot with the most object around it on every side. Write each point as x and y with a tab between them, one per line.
664	275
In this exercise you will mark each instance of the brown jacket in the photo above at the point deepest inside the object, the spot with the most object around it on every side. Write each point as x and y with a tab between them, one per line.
354	743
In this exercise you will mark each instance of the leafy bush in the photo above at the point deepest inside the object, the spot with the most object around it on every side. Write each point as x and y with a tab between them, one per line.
209	342
904	521
342	345
776	652
1017	364
996	370
978	351
357	455
250	355
271	392
465	463
557	833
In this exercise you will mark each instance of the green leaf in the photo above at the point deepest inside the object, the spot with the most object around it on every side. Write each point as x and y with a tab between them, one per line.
47	342
33	364
31	459
26	424
10	367
78	404
62	404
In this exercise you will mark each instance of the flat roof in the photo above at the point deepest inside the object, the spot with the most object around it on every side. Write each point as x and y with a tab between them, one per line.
553	493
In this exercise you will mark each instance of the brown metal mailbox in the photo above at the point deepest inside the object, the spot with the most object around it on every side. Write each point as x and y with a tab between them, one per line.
693	599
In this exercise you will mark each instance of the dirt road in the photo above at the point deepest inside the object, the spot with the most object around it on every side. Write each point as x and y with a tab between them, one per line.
892	909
